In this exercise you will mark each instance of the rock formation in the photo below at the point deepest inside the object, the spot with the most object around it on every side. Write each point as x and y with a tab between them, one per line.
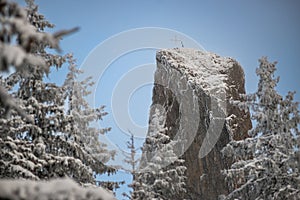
194	88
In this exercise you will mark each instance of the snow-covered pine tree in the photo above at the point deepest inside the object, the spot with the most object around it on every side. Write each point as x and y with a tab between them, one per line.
22	46
83	129
161	174
267	163
44	147
21	35
132	161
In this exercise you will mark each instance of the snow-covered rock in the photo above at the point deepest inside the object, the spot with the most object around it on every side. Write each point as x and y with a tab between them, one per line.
194	88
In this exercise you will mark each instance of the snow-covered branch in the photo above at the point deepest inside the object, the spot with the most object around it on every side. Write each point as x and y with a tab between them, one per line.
59	189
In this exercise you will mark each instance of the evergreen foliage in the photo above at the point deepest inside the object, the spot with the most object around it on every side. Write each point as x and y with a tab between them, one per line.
161	174
46	130
267	163
133	162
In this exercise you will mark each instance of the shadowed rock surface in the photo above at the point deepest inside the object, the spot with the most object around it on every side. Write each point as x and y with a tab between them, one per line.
194	88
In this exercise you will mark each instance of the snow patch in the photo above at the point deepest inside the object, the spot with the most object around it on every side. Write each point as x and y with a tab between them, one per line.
60	189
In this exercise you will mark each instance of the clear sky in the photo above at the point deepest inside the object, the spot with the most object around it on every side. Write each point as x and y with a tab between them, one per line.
244	30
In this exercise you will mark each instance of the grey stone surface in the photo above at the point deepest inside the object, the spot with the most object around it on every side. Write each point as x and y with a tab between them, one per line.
194	88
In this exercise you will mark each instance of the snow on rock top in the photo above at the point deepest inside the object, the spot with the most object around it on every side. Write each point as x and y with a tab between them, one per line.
202	68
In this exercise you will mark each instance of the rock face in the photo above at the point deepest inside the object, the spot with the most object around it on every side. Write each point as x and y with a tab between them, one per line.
194	88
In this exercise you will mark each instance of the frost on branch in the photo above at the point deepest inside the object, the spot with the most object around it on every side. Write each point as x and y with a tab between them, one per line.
60	189
82	117
161	174
22	46
267	163
59	140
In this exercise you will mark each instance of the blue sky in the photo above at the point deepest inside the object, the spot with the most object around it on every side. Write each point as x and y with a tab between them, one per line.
244	30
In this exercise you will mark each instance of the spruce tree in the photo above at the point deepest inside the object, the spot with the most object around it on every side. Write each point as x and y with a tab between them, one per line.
20	36
161	174
39	138
133	162
23	112
267	163
82	129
